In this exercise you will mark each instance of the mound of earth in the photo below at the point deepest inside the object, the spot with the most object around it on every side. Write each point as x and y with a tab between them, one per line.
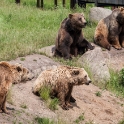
24	106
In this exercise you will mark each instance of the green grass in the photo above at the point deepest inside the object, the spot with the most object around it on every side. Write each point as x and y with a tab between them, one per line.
24	29
115	83
121	122
53	104
43	120
45	95
80	119
98	94
23	106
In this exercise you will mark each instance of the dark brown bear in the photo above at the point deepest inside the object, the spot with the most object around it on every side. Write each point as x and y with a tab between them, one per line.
109	31
70	37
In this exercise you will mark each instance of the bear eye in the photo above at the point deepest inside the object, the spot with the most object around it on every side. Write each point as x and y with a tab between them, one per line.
80	18
85	76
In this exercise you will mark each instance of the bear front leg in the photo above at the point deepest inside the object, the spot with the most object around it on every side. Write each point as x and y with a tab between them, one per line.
66	52
4	106
61	97
121	39
115	42
70	87
88	45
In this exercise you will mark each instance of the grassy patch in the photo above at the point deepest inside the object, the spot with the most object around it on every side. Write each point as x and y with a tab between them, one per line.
98	94
79	119
24	106
45	95
53	104
22	59
116	82
121	122
43	120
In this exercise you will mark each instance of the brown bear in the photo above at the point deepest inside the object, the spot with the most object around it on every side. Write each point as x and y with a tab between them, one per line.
108	30
70	36
10	74
61	81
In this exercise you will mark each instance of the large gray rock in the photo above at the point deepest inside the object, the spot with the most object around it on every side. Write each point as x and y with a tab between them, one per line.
94	62
98	13
48	50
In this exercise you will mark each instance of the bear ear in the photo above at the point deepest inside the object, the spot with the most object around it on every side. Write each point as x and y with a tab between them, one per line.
122	8
75	72
19	68
70	16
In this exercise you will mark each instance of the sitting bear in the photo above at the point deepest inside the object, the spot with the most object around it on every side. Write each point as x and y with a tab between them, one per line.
108	30
70	36
61	81
10	74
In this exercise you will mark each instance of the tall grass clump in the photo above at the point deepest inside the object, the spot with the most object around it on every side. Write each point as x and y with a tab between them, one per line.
45	95
116	82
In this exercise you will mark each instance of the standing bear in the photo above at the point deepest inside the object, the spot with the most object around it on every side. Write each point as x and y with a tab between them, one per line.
109	31
70	40
9	74
61	81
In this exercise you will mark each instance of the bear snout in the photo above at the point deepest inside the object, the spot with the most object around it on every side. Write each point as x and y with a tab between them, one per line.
88	82
85	23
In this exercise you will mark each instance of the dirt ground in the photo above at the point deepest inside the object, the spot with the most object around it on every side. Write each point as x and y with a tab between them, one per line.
24	106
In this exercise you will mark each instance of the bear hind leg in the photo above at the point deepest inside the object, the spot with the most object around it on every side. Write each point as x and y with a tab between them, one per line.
102	41
61	97
115	42
3	107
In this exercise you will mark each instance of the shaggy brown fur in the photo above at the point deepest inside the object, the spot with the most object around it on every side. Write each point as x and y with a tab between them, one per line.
70	36
108	30
121	37
61	81
10	74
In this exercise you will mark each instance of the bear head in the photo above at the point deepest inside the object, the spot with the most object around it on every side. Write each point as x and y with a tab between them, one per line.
21	74
80	76
120	16
77	20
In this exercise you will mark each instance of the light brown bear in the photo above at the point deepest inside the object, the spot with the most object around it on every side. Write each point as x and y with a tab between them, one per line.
108	30
61	81
10	74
